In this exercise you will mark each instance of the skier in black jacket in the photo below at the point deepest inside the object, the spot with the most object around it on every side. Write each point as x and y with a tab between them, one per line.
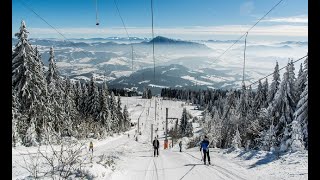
156	146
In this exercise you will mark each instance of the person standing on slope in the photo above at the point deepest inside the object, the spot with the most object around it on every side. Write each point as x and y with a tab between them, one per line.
180	145
155	146
91	146
205	149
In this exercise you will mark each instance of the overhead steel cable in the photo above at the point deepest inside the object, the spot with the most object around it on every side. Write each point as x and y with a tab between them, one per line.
249	29
65	38
126	31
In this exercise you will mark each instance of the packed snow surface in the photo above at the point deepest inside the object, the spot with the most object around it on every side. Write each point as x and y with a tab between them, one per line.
133	160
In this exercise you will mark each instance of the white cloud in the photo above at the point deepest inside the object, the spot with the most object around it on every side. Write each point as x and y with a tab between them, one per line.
271	30
292	19
246	8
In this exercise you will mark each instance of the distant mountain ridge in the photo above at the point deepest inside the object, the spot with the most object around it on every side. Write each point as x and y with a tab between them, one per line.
161	39
175	76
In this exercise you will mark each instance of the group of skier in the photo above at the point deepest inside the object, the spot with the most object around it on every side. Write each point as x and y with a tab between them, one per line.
204	148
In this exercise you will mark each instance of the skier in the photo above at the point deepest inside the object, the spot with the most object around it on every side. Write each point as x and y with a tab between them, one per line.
91	146
180	145
128	135
155	146
205	149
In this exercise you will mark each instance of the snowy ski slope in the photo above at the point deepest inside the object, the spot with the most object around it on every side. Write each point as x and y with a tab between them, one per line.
134	159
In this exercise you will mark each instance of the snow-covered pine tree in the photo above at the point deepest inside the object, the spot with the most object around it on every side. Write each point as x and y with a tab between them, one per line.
236	141
183	123
250	97
71	119
189	129
260	98
144	96
126	119
302	78
29	83
104	111
301	113
268	140
275	84
265	90
55	93
206	122
31	137
114	118
299	82
243	109
38	58
285	136
78	96
216	126
296	136
93	102
201	100
16	116
283	106
149	94
292	80
229	118
84	99
119	114
242	106
105	86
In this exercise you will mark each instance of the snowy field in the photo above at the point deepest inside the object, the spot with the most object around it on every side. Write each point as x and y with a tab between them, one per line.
122	158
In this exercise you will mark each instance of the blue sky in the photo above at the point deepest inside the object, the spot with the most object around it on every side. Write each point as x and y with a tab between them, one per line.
185	19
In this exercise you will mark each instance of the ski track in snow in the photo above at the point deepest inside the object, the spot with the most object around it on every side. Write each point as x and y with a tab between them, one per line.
135	161
170	164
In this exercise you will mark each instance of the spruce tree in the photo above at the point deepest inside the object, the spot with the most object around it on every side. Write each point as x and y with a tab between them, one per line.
119	114
299	82
126	119
84	105
114	118
282	108
296	141
93	102
183	122
55	93
16	116
30	86
104	115
269	139
78	96
189	129
275	84
71	119
236	141
260	98
301	113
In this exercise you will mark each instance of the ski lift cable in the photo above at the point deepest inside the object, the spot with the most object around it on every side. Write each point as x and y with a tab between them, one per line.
249	29
279	70
125	30
65	38
154	62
